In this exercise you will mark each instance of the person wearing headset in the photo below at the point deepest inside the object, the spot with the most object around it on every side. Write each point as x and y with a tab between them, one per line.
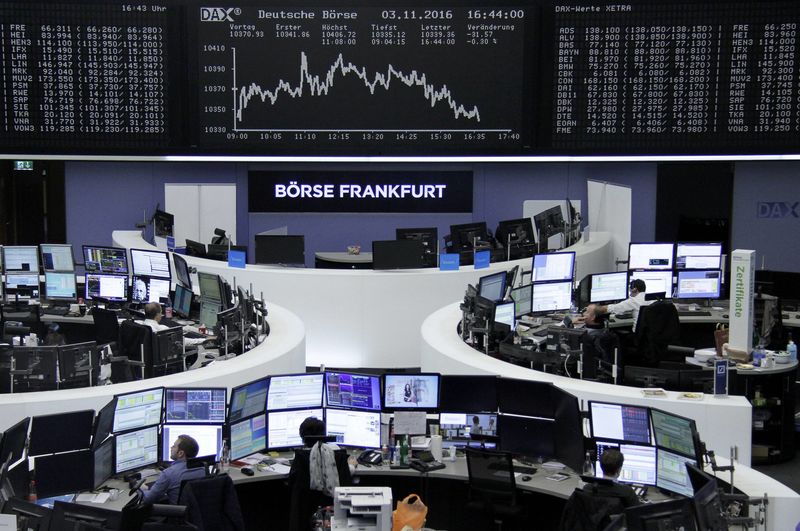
631	304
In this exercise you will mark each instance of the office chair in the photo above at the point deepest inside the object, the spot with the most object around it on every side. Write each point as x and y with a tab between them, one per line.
156	517
589	510
657	327
303	500
492	489
135	349
212	503
106	327
220	238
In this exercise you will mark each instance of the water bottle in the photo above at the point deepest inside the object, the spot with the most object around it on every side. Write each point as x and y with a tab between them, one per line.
396	454
791	349
588	466
225	457
404	451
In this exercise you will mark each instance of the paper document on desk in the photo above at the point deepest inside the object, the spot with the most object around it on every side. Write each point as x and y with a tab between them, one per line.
278	468
409	422
90	497
8	522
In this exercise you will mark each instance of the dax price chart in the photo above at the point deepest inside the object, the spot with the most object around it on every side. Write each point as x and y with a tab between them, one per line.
363	79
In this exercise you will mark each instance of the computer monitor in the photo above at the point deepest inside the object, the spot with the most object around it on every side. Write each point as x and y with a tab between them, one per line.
411	391
707	506
527	436
76	516
61	432
551	297
248	436
493	287
163	223
284	427
655	281
182	301
60	286
549	222
103	462
464	236
553	267
281	250
208	437
353	391
30	516
693	255
194	248
639	467
525	397
675	433
136	449
620	422
248	399
138	409
78	360
398	254
671	472
650	255
110	287
429	237
149	289
182	273
470	393
217	252
150	263
186	405
651	377
458	428
21	286
14	441
103	423
208	312
515	233
42	362
168	345
57	257
523	300
504	313
293	391
699	284
210	287
65	473
20	258
359	429
109	260
673	514
608	287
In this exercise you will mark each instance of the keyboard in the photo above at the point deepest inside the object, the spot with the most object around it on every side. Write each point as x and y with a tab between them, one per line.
169	322
55	310
689	313
541	333
524	469
193	335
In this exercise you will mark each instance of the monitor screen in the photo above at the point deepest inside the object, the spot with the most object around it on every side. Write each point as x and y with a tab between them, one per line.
103	462
551	297
182	305
512	232
57	257
698	255
655	281
104	423
76	516
470	393
75	360
411	391
209	286
549	222
162	223
279	249
620	422
61	432
458	428
553	266
14	440
22	286
672	514
361	429
527	436
208	437
284	427
150	263
110	287
110	260
60	286
523	300
208	312
182	273
149	289
248	399
505	313
671	473
248	436
295	391
137	410
464	236
184	405
674	433
17	258
349	390
607	287
66	473
136	449
493	287
639	466
398	254
698	284
429	237
650	255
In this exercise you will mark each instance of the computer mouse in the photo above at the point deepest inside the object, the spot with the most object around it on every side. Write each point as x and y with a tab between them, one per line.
797	316
525	478
725	315
247	471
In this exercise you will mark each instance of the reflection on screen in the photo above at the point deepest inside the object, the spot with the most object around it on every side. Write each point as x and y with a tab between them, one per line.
195	405
295	391
698	256
136	449
552	297
553	266
248	400
361	429
609	287
284	427
103	462
650	256
248	436
57	257
620	422
639	466
208	437
411	391
672	474
60	285
655	281
136	410
150	263
457	428
523	300
111	287
673	432
358	391
699	284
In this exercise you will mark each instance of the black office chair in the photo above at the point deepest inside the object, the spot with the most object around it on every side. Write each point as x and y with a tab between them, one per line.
106	327
657	327
589	510
135	350
156	517
213	504
304	501
492	489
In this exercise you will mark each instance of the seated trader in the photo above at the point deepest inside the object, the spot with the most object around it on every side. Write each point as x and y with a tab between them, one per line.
168	484
153	315
611	463
631	304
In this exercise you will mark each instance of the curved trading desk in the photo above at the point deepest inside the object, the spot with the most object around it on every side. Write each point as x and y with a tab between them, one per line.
282	352
366	318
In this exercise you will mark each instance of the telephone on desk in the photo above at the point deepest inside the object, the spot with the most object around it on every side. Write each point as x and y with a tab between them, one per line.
370	457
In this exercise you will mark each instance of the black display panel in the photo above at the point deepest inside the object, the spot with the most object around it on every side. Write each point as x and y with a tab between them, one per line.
86	72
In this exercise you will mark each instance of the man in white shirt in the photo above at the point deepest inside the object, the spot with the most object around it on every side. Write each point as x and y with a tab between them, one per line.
631	304
153	315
